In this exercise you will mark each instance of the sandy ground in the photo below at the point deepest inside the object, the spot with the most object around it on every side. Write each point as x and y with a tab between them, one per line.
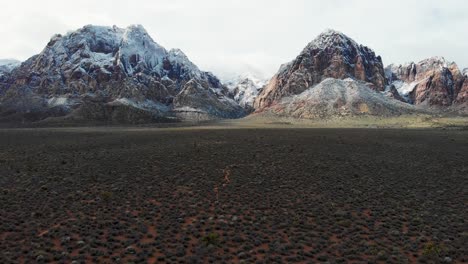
212	194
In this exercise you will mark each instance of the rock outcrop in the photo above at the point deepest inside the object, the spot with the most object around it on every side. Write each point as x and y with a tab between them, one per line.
433	82
338	98
112	66
7	65
245	89
331	55
462	96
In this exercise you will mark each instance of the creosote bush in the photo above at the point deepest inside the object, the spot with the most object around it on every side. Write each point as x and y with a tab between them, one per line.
432	250
211	239
106	195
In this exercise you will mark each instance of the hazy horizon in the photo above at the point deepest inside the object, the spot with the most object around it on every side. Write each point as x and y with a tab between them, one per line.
236	37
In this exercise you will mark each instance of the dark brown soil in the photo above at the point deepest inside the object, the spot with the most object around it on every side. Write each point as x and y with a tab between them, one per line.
252	195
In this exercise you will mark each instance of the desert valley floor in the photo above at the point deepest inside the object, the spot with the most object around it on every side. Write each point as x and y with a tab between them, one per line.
189	195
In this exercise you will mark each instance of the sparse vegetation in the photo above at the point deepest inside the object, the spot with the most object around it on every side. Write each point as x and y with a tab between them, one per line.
286	194
106	196
432	249
211	239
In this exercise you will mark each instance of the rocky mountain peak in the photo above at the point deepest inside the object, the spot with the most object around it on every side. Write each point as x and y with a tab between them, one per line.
435	63
245	88
7	65
332	39
131	49
114	66
137	46
330	55
178	58
433	82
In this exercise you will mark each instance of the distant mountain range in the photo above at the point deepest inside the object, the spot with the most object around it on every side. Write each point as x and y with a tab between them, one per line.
245	88
122	75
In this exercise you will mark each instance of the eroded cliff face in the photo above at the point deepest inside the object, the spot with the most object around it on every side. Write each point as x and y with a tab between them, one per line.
245	88
331	55
462	96
433	82
111	65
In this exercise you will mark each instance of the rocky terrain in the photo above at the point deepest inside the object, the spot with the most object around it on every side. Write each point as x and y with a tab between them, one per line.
433	82
432	85
7	65
245	89
340	98
110	73
331	55
462	97
283	195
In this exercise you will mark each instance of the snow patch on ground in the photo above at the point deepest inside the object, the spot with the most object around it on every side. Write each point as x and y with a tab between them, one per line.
187	109
58	101
144	105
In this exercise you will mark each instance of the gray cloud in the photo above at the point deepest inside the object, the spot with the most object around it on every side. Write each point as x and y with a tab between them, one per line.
235	36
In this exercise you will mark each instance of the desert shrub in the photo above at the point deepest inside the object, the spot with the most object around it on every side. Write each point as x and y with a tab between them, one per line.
106	195
432	250
211	239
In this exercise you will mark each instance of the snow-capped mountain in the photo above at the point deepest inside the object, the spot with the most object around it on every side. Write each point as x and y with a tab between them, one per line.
331	55
7	65
123	75
10	62
245	88
433	82
113	68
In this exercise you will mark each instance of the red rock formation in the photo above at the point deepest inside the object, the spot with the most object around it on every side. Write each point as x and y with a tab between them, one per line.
433	82
331	55
462	97
113	65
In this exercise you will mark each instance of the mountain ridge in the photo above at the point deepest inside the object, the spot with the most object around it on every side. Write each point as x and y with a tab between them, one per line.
114	67
122	75
432	82
245	89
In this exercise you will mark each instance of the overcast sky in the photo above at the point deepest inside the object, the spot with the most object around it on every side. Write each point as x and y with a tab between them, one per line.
236	36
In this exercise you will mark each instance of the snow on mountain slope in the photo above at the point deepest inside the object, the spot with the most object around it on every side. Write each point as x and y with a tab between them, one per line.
330	55
245	88
4	62
433	82
336	97
96	66
7	65
137	47
104	47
